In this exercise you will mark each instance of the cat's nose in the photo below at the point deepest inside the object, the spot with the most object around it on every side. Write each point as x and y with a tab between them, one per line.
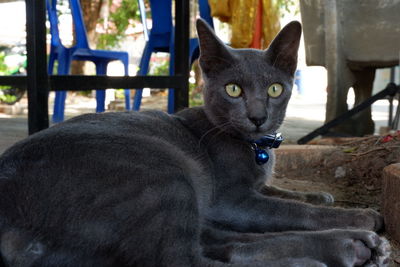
258	121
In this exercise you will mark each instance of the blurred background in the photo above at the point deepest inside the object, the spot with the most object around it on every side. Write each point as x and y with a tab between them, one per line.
118	25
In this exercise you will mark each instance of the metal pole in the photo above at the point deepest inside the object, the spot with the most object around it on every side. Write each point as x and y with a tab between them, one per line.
37	79
391	89
390	120
182	53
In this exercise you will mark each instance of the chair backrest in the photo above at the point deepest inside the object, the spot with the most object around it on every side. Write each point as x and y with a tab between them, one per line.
205	12
142	10
80	29
161	16
51	6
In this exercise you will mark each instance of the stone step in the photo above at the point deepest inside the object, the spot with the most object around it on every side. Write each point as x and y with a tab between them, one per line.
303	160
391	200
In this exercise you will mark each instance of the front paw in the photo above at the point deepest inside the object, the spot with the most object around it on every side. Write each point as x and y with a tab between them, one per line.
380	256
320	198
356	248
367	219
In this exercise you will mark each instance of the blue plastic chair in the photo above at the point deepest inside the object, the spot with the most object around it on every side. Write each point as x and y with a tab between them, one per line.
161	39
80	51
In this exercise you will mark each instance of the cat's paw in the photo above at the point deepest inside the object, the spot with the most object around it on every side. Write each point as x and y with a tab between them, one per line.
320	198
367	219
356	248
380	256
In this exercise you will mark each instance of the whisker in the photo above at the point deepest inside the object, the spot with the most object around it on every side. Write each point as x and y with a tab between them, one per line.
221	130
211	130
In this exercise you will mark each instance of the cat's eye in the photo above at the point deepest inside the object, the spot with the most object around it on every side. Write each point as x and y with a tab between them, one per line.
233	90
275	90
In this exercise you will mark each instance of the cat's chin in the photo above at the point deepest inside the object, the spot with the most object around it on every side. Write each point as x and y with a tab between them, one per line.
247	134
257	134
256	137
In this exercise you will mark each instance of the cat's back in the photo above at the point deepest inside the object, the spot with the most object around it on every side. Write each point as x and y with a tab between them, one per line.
132	125
95	140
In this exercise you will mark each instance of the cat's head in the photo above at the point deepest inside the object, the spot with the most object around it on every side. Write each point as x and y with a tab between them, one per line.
246	91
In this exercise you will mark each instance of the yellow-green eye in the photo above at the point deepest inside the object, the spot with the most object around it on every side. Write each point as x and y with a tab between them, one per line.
275	90
233	90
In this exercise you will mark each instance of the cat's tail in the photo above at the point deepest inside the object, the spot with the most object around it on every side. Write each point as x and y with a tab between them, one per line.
19	248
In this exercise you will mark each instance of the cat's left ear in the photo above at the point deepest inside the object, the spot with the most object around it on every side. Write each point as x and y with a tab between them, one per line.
282	53
214	55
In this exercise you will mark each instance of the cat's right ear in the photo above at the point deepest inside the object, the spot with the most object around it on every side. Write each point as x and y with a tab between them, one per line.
282	53
214	55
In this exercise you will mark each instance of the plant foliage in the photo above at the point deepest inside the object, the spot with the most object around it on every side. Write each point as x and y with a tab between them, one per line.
121	16
285	5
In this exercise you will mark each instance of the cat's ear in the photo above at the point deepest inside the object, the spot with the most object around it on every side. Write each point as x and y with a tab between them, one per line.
214	55
282	53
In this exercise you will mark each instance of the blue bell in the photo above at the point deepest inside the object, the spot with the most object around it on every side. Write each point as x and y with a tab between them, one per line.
262	156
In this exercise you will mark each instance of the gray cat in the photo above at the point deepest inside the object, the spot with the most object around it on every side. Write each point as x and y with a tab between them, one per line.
150	189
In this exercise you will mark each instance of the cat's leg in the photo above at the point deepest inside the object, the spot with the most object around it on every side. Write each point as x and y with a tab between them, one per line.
164	229
333	247
245	210
160	226
19	249
284	262
316	198
220	245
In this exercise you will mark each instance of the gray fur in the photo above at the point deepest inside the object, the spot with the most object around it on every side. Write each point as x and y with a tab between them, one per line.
150	189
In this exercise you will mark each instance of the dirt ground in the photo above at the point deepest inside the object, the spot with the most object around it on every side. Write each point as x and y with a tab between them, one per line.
352	173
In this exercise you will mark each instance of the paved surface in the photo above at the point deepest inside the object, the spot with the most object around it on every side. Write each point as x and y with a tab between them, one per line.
11	131
304	114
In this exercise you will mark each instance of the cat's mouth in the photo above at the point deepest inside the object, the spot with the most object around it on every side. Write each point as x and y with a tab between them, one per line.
258	130
250	132
258	133
261	131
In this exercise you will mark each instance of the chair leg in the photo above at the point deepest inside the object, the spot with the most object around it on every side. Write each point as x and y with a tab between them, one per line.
50	67
127	92
137	99
127	95
143	70
64	64
194	50
101	69
193	54
171	91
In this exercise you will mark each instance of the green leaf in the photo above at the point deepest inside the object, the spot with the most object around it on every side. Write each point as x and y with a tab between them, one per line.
350	149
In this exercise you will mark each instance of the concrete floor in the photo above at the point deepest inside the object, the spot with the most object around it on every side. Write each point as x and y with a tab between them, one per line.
304	114
11	131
